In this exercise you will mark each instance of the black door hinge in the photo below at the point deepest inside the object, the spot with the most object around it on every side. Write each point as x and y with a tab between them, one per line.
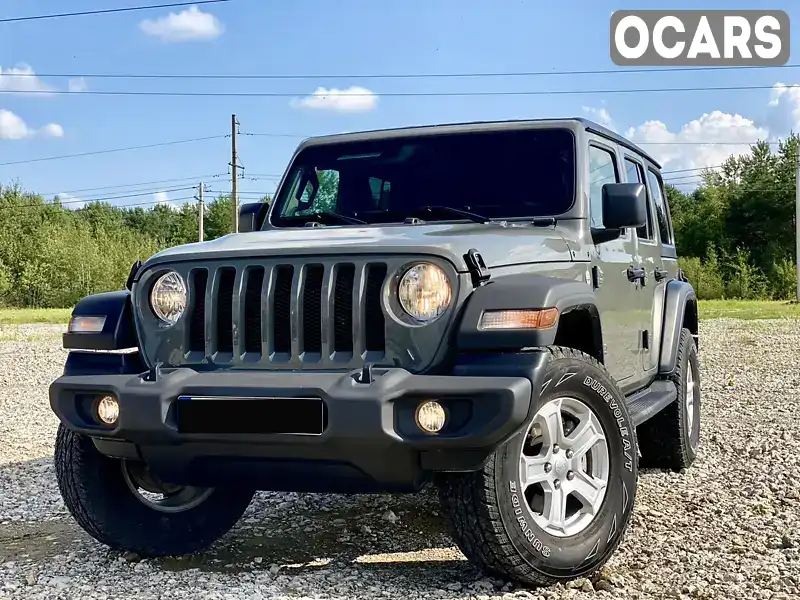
646	339
477	268
597	277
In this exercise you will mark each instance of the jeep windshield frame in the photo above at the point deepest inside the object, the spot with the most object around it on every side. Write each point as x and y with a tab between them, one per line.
502	174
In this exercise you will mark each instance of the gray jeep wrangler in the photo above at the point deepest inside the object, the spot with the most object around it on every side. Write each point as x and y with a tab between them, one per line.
494	309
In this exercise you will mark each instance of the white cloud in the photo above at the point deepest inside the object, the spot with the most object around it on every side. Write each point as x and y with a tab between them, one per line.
352	99
684	148
187	25
13	127
601	115
21	79
52	130
785	105
71	202
162	198
78	84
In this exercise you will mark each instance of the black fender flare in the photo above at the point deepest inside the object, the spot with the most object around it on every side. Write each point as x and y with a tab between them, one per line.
680	305
522	291
118	330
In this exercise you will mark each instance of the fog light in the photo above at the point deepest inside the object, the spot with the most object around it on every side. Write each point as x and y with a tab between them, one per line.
430	416
108	410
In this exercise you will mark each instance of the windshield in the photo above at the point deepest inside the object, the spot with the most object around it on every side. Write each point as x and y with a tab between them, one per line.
496	175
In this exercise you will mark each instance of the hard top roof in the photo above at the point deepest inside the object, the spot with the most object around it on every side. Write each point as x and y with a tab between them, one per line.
587	124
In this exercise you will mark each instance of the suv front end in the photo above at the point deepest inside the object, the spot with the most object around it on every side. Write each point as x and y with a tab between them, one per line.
415	306
294	373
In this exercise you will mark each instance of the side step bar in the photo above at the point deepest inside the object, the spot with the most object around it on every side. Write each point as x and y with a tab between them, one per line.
648	402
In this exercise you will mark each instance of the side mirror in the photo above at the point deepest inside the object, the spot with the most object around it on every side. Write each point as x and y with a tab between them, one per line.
251	216
624	207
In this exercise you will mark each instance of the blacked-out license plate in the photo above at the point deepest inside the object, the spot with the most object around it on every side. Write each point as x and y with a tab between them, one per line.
245	415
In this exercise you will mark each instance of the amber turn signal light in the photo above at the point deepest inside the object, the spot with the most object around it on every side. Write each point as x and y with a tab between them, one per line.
518	319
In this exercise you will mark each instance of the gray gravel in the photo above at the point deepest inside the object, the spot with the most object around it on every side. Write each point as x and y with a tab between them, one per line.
727	528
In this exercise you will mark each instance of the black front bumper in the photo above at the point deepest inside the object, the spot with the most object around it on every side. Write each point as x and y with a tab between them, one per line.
370	441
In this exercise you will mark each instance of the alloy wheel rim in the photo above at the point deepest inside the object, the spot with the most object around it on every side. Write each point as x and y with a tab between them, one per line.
158	495
690	400
564	467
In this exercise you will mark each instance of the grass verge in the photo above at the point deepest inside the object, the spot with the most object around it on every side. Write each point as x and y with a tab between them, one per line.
709	309
749	309
29	316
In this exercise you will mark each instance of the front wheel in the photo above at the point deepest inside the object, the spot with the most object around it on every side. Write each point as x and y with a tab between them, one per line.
552	503
123	506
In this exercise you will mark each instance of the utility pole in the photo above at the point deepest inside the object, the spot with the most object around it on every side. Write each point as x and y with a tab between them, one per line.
797	216
200	212
235	175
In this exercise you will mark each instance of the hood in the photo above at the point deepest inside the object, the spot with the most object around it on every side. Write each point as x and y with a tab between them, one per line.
499	244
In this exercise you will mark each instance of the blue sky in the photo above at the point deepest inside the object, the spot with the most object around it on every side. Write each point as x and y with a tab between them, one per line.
323	37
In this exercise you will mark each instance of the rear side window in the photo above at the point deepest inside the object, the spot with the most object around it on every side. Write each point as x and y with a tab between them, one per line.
662	211
602	170
635	174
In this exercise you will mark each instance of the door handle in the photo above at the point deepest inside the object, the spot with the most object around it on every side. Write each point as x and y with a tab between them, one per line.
636	273
660	273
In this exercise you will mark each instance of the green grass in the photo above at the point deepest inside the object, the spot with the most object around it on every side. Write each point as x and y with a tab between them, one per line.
748	309
709	309
27	316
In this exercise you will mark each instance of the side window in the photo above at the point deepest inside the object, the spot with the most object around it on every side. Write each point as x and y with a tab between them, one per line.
380	191
325	200
602	170
662	211
635	174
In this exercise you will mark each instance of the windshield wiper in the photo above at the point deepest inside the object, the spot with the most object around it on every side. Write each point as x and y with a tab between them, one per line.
323	215
456	211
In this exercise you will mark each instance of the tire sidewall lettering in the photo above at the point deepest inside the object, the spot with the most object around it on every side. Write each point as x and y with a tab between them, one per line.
520	515
571	556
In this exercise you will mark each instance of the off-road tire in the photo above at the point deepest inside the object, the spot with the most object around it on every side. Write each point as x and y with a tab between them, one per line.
479	507
95	492
665	440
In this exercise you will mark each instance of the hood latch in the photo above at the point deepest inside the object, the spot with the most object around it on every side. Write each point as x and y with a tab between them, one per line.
477	267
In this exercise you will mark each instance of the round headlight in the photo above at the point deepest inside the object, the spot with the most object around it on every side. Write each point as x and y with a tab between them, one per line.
424	292
168	297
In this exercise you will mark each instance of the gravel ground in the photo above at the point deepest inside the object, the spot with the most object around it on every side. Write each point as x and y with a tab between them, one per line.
727	528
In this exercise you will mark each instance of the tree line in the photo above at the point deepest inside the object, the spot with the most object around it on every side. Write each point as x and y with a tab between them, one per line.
735	235
735	232
51	255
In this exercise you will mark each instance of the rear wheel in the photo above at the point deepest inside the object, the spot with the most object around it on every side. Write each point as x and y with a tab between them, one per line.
122	505
671	439
553	503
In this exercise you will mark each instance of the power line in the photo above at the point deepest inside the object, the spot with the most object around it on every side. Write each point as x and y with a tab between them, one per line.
730	88
746	190
285	135
46	204
139	194
690	170
109	151
109	10
707	143
487	74
129	185
104	198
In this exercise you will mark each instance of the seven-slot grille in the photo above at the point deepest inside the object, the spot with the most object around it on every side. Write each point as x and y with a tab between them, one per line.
316	313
